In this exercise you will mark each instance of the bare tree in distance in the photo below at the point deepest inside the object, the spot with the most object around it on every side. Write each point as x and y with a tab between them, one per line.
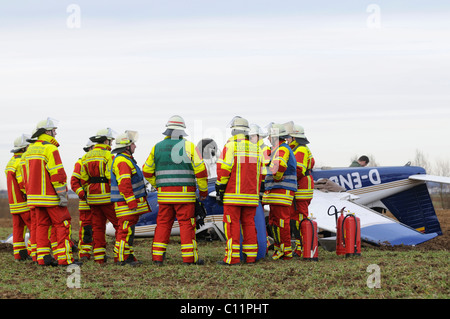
443	169
421	160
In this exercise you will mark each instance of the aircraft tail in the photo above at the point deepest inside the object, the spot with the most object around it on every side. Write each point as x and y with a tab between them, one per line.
414	208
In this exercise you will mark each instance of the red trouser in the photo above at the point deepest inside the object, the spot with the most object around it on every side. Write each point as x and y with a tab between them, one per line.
124	237
100	214
85	236
58	218
21	222
299	212
33	234
233	218
184	213
279	220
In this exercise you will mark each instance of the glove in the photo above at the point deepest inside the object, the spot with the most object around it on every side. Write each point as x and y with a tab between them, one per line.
63	199
82	195
200	214
220	191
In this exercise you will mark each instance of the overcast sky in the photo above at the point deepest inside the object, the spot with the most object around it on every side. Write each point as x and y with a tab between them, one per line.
362	77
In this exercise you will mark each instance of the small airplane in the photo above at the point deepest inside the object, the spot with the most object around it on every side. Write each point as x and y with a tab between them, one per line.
363	191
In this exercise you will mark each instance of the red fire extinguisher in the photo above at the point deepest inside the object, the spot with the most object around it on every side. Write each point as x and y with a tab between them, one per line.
348	233
309	237
351	233
340	250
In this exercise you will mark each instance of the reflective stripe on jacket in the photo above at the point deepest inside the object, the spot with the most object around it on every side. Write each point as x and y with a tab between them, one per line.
305	164
281	181
239	168
121	174
76	185
44	175
128	190
282	169
175	177
96	173
17	199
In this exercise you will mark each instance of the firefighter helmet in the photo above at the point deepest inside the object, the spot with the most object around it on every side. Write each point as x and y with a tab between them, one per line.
257	130
106	133
20	143
278	130
240	124
298	131
125	139
88	146
176	122
45	125
175	127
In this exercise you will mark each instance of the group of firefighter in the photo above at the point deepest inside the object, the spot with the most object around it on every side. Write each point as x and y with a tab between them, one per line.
112	187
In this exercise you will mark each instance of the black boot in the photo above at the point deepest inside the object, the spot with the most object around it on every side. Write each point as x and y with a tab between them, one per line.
50	261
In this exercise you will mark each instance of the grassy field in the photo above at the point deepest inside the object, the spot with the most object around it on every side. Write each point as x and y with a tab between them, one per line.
404	273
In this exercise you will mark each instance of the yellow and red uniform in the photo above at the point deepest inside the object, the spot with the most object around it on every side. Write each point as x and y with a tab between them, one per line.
45	180
239	175
280	186
130	201
96	175
20	173
305	185
175	178
18	207
85	235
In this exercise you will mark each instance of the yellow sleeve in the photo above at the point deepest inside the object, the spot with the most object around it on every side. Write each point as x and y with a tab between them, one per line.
149	168
200	170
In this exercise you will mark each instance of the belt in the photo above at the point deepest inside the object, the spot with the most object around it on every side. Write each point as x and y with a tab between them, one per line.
103	180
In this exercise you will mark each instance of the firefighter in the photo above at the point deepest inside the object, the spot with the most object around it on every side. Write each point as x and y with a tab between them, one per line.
280	186
305	183
20	179
85	235
237	186
96	175
129	194
20	212
46	187
173	167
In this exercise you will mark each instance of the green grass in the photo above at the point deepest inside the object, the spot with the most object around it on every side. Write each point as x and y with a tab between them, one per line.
405	274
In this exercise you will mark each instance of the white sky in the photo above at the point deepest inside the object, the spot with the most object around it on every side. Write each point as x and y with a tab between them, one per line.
356	88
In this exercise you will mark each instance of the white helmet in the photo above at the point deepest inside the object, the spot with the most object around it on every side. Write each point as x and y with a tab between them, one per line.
20	143
257	130
240	124
278	130
126	139
176	122
107	133
45	125
298	131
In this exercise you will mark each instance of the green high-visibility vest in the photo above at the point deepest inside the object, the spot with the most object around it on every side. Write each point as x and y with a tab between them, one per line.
172	165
